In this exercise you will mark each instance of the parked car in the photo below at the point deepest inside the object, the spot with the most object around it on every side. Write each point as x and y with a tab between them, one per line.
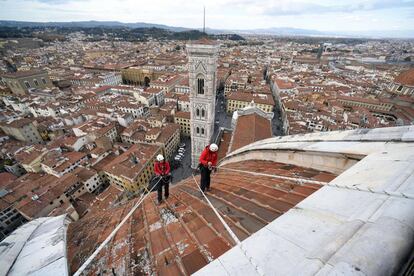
181	150
180	154
182	145
177	158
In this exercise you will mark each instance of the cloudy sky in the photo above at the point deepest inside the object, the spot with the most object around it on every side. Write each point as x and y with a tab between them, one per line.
323	15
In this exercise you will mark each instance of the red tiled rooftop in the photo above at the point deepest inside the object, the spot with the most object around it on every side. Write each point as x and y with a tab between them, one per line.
29	154
249	97
204	41
6	178
406	77
182	114
224	144
23	74
282	84
130	163
153	90
362	100
250	128
182	235
184	81
184	98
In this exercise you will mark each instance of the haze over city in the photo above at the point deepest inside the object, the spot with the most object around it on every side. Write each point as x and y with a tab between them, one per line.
367	17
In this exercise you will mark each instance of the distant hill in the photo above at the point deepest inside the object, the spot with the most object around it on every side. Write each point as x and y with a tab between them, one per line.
51	32
115	24
89	24
281	31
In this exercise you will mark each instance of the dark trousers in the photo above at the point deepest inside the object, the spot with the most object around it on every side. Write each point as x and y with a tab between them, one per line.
164	182
205	178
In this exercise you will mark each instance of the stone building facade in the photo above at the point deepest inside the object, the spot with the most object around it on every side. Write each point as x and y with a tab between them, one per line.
20	82
202	57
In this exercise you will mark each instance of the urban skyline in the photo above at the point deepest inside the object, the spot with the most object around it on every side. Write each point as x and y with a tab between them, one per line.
368	18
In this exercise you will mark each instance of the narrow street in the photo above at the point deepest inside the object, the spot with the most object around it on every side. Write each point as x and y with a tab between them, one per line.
277	124
182	169
221	117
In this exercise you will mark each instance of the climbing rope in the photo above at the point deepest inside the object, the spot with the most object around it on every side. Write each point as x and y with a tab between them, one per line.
302	181
234	237
299	180
231	233
258	270
105	242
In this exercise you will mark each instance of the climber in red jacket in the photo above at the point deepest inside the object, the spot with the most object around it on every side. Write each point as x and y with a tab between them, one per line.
208	161
162	169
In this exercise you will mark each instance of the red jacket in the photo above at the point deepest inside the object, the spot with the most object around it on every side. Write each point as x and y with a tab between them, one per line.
162	168
208	156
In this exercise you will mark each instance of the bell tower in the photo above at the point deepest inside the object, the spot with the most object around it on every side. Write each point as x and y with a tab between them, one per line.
202	67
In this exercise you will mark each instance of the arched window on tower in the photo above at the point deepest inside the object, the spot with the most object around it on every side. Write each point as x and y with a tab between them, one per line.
200	84
202	131
198	130
203	113
197	112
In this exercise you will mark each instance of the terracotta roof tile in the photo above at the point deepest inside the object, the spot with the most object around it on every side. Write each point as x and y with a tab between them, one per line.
6	178
406	77
183	235
23	74
250	128
224	144
249	97
204	41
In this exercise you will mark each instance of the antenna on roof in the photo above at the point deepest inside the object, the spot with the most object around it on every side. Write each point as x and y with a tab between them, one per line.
204	20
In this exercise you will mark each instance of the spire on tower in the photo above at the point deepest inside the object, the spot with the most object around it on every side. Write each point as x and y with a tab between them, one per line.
204	20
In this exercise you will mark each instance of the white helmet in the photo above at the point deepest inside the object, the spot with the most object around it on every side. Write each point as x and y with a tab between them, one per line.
213	147
160	157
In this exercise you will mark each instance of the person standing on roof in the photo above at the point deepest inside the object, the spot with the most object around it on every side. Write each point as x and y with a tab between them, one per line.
162	170
208	162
